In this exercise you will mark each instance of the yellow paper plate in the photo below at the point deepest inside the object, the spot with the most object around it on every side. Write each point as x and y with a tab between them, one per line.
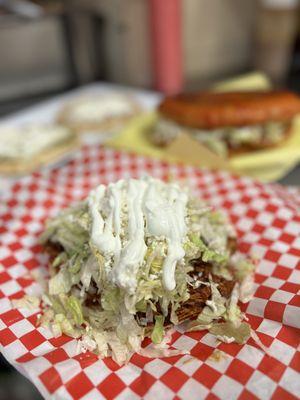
267	165
251	81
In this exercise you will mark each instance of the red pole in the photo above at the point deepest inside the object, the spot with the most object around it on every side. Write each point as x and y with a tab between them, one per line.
165	23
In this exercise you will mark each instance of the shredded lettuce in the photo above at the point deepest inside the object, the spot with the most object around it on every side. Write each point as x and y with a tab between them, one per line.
214	309
57	305
233	312
219	308
28	302
158	331
87	343
230	330
59	260
101	342
247	289
213	256
110	299
242	267
70	228
198	242
86	273
208	255
73	305
243	271
120	351
141	306
60	283
75	264
62	324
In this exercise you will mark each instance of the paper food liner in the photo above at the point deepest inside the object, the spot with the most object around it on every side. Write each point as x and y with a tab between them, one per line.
268	226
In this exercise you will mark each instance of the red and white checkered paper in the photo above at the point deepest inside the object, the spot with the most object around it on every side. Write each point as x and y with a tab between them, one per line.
266	219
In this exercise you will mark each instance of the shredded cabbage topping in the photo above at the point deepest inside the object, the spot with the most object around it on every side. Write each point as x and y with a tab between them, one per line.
221	139
83	301
28	302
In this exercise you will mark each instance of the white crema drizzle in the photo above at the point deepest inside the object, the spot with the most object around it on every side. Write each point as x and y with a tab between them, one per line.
100	107
29	140
146	208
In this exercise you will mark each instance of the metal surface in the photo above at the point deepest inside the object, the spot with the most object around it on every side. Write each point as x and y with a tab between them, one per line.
292	178
23	8
34	56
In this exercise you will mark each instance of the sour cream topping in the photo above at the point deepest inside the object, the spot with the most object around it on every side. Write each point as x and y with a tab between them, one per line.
98	108
125	214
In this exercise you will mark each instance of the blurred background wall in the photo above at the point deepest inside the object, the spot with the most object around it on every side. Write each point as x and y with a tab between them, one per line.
218	38
48	46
